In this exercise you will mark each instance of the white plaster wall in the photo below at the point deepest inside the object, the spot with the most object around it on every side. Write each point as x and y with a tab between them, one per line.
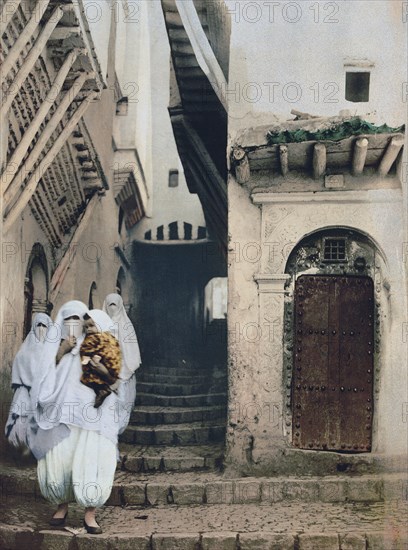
290	55
98	14
154	136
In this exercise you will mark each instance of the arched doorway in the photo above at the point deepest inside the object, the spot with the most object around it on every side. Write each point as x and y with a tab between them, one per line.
35	287
332	350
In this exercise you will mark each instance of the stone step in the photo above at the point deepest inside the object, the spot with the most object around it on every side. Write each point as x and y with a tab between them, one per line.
175	371
171	459
151	377
204	399
150	414
281	526
175	389
195	433
212	488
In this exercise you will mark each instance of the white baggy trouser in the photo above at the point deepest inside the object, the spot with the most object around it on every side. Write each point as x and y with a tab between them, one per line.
80	468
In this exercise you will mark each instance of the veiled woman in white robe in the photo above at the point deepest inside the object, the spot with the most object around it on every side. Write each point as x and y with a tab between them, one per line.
124	331
82	466
27	366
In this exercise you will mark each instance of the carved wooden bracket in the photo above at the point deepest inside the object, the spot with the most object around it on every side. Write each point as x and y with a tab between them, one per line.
240	163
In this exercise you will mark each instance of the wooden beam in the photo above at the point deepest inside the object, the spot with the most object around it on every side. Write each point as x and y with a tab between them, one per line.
46	134
390	155
359	156
62	33
30	60
319	160
16	209
64	264
284	160
29	135
9	9
24	37
241	165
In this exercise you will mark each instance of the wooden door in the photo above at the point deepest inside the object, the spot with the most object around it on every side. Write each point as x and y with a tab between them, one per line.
333	363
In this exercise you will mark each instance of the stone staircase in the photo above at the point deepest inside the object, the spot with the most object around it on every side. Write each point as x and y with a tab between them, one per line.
171	493
179	420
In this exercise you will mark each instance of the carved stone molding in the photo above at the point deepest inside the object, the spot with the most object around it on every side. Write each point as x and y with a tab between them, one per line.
271	283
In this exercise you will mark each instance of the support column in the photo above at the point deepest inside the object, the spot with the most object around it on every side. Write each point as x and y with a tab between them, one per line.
9	9
31	59
271	294
11	188
29	135
24	37
31	186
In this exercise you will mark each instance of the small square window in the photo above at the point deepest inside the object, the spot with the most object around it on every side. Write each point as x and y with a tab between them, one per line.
334	250
173	178
358	86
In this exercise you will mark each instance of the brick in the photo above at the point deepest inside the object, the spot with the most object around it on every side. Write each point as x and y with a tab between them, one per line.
179	541
364	490
129	542
152	463
247	491
157	493
188	493
272	491
304	491
318	541
384	541
134	494
395	490
215	541
92	542
332	491
8	535
220	492
115	498
265	541
133	463
352	542
56	540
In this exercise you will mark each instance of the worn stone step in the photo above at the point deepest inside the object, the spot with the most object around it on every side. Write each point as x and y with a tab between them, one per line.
210	488
175	371
195	433
174	415
151	377
204	399
171	459
175	389
281	526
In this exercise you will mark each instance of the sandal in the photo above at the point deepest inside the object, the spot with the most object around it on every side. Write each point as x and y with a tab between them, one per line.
58	522
92	530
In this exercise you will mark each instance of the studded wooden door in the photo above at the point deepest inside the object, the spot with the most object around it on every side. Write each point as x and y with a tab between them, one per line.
333	363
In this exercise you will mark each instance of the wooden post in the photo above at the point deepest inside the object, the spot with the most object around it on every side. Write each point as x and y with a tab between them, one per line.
241	164
52	125
22	201
30	60
284	160
391	153
319	160
63	266
9	9
359	156
29	135
25	36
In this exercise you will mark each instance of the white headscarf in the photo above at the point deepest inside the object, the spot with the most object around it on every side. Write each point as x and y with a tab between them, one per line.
125	333
26	364
63	399
102	320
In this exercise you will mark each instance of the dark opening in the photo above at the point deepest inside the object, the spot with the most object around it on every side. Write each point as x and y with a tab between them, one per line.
173	231
148	235
202	232
160	233
173	178
188	231
121	216
358	87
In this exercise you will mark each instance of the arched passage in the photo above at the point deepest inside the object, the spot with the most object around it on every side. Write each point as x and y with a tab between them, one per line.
36	286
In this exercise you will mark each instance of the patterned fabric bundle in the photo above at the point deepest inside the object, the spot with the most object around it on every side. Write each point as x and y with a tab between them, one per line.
107	347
